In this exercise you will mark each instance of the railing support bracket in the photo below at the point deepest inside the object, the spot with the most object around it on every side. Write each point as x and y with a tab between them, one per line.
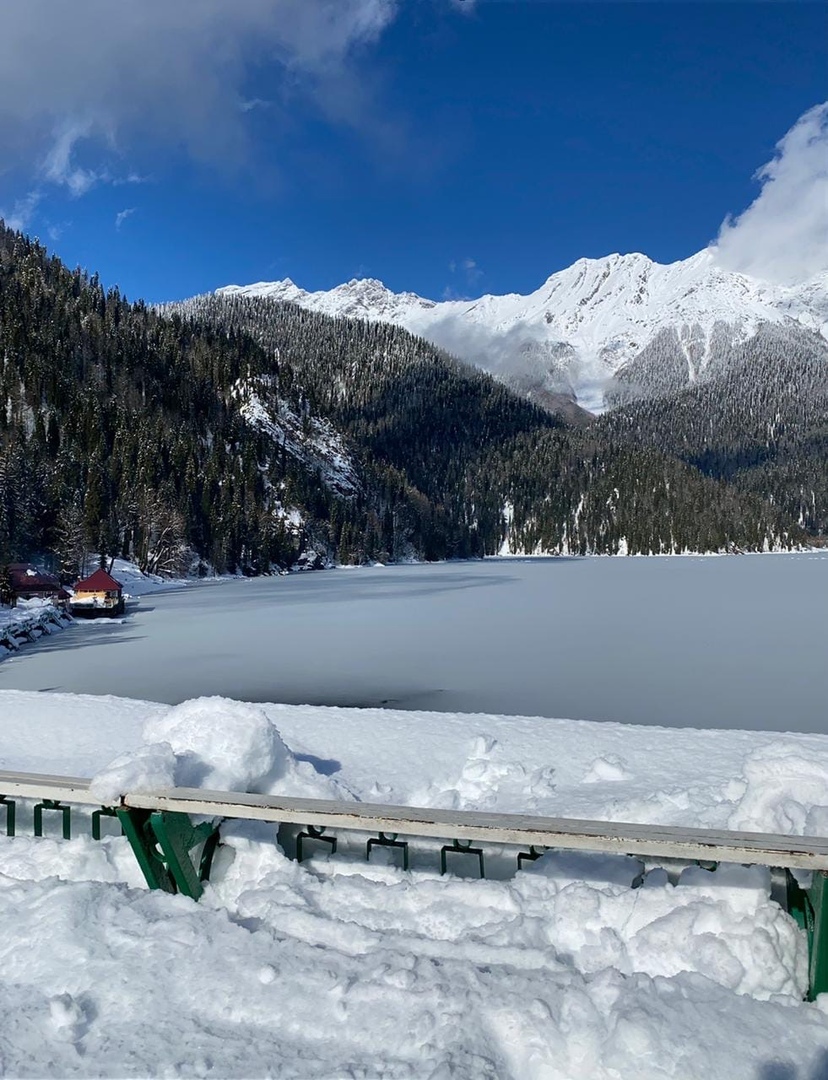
164	842
313	832
460	847
52	804
388	840
10	807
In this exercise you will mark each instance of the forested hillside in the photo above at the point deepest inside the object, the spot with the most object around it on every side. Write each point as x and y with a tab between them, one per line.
241	434
122	433
758	420
507	471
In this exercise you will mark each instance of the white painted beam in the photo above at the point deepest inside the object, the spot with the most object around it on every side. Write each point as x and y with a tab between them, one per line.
570	834
70	789
658	841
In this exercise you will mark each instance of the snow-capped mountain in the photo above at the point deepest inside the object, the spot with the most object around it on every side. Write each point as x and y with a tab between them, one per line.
585	324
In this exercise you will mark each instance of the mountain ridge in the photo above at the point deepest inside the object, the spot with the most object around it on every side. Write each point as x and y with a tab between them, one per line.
585	323
240	434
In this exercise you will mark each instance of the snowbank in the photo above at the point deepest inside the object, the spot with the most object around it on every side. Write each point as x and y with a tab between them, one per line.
762	781
213	743
23	612
331	973
29	620
136	583
339	967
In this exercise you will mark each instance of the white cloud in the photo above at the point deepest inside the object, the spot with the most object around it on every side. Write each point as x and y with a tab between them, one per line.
783	235
122	215
21	214
59	166
130	178
254	103
473	271
83	82
471	274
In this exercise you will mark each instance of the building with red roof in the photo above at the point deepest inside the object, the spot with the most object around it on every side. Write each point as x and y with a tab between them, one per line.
99	594
26	582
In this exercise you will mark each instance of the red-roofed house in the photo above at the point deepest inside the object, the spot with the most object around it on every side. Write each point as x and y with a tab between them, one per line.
99	594
25	582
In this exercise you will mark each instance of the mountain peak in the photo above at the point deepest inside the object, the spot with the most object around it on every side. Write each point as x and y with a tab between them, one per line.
363	286
273	290
586	322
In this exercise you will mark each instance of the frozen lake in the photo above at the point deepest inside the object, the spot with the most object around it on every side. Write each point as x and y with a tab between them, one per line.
706	642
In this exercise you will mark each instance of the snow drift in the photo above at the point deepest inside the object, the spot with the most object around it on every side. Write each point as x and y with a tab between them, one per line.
341	967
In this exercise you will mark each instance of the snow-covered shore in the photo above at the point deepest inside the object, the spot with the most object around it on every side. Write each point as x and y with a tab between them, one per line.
27	622
342	968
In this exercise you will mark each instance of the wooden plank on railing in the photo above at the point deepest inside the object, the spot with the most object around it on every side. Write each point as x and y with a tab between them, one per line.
69	789
630	838
657	841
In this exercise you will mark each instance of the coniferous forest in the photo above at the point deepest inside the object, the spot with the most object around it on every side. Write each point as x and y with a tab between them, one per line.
758	421
237	434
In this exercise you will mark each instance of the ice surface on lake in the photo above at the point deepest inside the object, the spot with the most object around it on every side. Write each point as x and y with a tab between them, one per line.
705	642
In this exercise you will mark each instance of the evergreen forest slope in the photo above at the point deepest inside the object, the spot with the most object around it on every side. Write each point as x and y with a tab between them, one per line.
515	475
757	421
720	370
241	434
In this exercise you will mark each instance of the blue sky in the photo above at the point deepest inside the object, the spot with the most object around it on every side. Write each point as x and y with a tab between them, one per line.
447	148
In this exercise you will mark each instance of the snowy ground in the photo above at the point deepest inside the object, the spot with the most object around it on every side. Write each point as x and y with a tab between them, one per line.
136	583
343	968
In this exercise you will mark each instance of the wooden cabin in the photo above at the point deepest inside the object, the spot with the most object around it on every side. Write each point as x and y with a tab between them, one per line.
99	594
26	582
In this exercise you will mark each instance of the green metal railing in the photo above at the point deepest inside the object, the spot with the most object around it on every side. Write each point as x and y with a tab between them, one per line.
176	855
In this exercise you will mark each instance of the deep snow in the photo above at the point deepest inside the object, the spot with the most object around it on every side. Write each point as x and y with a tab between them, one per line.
704	642
342	968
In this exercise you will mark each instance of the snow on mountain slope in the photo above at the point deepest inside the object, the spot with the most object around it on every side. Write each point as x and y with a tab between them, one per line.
584	323
312	441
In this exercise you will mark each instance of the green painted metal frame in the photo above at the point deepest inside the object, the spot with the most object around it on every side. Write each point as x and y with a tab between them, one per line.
10	806
530	856
316	833
164	842
388	840
461	847
176	856
809	906
53	804
105	811
142	840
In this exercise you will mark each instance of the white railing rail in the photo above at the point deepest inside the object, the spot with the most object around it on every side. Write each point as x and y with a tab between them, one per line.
611	837
69	789
657	841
